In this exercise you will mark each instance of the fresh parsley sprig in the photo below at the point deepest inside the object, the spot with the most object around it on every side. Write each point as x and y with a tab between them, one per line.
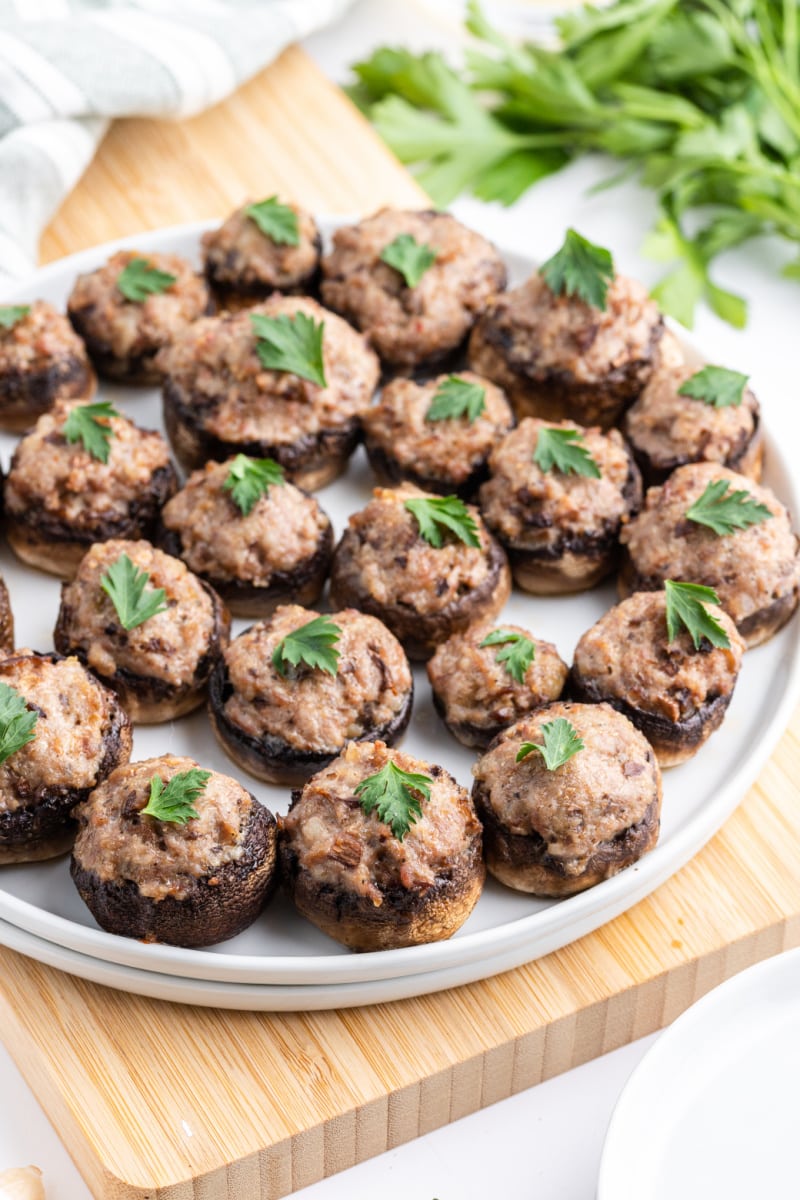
10	314
174	802
396	797
17	722
516	652
717	386
580	268
456	397
249	479
138	280
563	449
686	607
723	510
291	344
276	221
410	257
126	585
560	743
313	644
444	513
89	424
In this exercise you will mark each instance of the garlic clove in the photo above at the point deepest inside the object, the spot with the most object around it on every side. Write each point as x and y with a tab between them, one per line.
21	1183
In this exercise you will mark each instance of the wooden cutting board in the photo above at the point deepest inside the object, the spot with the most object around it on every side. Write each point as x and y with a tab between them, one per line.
173	1103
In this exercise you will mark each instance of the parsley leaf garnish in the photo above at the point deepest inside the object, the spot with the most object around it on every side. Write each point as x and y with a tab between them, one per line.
686	606
564	450
313	644
723	510
455	398
395	796
561	742
516	652
11	313
276	221
580	269
409	257
249	478
175	801
88	423
447	512
17	722
125	584
716	386
292	344
138	280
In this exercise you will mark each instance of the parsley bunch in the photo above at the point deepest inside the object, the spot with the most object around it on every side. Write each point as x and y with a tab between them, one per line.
701	100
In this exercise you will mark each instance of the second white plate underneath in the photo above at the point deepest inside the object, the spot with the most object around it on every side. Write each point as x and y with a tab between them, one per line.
712	1108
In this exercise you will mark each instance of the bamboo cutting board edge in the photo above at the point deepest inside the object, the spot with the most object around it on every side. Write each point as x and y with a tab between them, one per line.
277	1102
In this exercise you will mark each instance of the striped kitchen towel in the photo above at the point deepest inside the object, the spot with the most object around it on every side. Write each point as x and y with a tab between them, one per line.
68	66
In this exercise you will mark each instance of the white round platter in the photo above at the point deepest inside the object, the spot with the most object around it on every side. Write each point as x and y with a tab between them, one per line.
711	1110
281	948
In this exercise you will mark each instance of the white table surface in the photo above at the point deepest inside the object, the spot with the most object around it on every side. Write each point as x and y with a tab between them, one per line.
545	1142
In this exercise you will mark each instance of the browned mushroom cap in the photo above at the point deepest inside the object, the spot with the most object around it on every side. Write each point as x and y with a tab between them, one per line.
81	735
243	264
124	336
42	361
560	529
755	571
161	667
278	552
411	326
283	727
474	691
220	400
192	884
445	456
676	695
558	357
60	500
667	430
554	833
424	593
357	882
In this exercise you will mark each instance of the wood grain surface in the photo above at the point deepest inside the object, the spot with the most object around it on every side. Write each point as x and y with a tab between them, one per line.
173	1103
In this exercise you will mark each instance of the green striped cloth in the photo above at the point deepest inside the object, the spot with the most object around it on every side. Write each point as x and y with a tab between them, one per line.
67	66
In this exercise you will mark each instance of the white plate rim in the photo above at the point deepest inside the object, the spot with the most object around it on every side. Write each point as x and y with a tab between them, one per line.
552	928
635	1105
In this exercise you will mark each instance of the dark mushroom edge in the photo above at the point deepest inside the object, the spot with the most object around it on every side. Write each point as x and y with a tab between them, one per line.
24	396
747	458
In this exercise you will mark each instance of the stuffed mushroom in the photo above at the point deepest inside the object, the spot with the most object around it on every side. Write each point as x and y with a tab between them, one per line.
557	356
425	565
262	248
556	498
63	733
133	306
711	526
491	676
303	409
42	361
84	474
290	692
256	538
675	693
374	885
557	821
413	282
716	420
437	434
168	852
145	625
